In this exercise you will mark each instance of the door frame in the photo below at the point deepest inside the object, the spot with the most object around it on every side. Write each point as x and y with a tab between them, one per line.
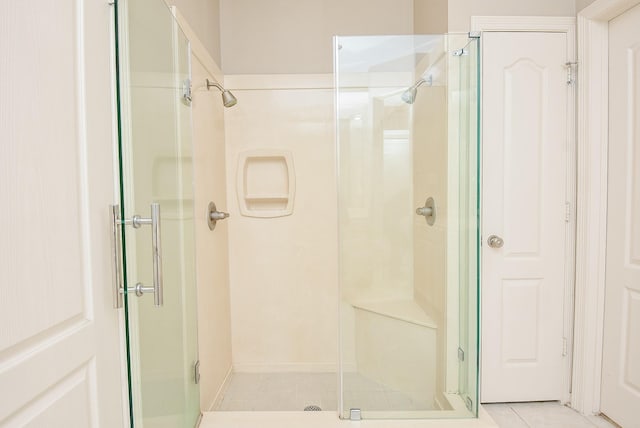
565	25
593	118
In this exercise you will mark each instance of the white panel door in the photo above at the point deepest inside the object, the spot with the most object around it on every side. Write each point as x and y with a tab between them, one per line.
621	356
524	203
59	340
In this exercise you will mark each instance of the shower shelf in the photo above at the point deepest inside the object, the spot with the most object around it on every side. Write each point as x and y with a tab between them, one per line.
267	197
266	183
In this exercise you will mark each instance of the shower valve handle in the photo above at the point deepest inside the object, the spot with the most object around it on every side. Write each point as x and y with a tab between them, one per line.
425	211
428	211
213	215
219	215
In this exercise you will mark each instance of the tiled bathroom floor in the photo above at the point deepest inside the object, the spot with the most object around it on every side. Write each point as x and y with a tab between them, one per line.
295	391
542	415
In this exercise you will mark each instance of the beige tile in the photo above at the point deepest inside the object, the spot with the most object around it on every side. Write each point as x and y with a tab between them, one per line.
601	422
505	416
550	415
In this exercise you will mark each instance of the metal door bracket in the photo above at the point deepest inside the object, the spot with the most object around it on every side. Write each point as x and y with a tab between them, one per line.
196	372
355	414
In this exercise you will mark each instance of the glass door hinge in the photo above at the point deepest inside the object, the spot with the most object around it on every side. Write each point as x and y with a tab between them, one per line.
186	91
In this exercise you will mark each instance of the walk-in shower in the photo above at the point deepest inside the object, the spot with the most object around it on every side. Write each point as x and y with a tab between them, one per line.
345	248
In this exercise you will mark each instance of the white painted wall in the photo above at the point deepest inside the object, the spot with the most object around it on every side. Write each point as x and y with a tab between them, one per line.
581	4
295	36
203	17
460	11
430	16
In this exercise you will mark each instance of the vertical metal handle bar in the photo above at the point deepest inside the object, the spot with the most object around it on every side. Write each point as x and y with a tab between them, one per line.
116	253
156	245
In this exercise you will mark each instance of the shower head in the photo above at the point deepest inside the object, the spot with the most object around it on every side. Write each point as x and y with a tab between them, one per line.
228	99
409	96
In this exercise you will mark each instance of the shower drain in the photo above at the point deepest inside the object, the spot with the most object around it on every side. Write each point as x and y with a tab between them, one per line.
312	408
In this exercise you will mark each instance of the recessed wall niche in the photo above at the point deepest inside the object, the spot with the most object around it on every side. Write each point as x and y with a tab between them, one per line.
266	183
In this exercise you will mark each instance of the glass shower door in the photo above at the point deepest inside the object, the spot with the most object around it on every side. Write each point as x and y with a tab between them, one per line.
156	215
408	241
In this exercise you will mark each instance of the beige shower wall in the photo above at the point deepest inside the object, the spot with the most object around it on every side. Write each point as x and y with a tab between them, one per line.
211	247
430	180
214	318
430	242
284	288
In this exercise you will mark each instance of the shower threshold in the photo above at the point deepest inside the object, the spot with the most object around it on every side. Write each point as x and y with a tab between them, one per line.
330	420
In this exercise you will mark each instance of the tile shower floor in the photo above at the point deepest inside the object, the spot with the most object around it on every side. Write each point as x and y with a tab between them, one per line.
295	391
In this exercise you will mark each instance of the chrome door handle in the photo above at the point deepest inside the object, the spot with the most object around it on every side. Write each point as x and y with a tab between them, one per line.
495	241
213	215
156	249
116	254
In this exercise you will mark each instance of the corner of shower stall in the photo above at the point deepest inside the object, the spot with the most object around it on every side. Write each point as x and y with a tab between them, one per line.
407	149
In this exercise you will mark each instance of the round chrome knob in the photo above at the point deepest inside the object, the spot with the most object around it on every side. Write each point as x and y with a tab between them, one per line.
495	241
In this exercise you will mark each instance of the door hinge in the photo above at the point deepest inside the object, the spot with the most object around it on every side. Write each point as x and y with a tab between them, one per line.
460	354
196	372
567	212
570	66
564	346
186	92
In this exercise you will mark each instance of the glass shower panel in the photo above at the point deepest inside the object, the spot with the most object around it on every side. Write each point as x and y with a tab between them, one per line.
156	168
407	188
465	92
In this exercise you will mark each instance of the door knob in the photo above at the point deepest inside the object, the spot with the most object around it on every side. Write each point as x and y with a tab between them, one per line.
495	241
